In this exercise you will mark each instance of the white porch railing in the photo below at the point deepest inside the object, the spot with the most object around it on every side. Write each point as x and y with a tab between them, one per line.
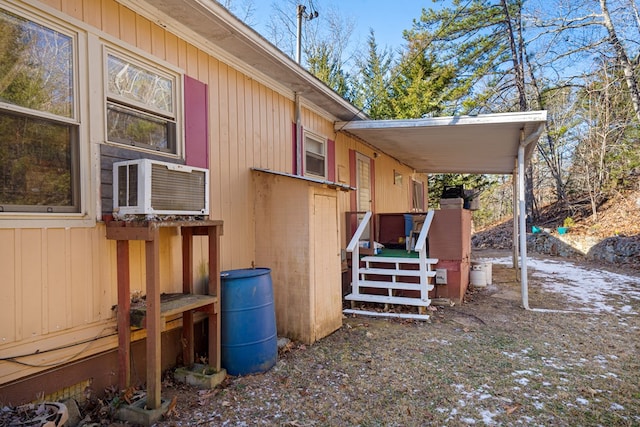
394	271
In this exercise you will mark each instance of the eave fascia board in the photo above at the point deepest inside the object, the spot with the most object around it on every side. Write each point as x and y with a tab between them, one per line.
483	119
216	27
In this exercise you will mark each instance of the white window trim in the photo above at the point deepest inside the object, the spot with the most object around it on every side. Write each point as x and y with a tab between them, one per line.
86	182
321	140
176	75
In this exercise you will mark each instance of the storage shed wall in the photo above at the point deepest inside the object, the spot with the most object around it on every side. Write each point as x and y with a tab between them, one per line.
296	222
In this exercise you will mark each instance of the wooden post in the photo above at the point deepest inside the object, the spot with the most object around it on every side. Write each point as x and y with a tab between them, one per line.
187	288
124	307
154	328
214	233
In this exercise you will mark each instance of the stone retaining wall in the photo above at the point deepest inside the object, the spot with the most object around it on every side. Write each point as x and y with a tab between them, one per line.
614	250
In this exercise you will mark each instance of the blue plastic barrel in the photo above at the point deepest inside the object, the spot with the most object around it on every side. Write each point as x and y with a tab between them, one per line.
249	341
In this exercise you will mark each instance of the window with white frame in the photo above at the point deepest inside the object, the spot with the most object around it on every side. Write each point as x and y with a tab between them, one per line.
39	125
141	104
417	192
315	156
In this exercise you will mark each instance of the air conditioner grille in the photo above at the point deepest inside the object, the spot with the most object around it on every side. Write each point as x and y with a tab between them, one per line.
176	190
128	185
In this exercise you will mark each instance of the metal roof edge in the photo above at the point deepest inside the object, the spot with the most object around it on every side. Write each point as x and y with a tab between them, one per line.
513	117
330	184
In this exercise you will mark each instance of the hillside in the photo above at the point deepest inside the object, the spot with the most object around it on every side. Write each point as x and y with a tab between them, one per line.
618	223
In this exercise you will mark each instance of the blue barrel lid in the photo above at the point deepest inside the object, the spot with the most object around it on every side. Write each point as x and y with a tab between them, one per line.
244	272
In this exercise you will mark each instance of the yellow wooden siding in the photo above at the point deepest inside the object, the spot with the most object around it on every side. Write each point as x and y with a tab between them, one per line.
56	282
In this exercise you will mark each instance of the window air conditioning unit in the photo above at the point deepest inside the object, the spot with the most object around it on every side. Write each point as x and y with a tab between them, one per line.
147	186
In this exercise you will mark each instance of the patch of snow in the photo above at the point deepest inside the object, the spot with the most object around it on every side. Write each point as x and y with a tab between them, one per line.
538	405
525	372
616	407
510	355
523	381
582	401
591	288
487	417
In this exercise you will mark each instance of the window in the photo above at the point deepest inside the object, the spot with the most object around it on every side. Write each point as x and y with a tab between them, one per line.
397	178
315	156
39	128
141	105
417	192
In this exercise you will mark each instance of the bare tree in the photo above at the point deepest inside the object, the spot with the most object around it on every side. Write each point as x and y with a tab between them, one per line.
579	32
604	134
329	28
243	9
623	58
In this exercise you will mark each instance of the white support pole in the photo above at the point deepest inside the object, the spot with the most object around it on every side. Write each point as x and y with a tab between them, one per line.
523	230
514	201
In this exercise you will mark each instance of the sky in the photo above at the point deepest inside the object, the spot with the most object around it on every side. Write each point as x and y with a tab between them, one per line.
388	18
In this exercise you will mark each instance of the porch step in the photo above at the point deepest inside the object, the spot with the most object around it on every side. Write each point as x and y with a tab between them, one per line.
400	260
395	272
384	299
392	285
386	314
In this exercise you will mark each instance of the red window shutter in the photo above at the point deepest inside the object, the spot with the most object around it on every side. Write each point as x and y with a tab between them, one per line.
196	136
331	160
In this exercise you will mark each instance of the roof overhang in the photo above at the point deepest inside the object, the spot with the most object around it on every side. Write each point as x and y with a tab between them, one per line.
223	31
483	144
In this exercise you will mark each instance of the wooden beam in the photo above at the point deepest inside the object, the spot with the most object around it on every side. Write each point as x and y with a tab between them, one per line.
154	326
124	305
187	288
214	289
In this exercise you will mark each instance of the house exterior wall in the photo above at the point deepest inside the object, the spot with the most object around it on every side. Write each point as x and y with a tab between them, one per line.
59	276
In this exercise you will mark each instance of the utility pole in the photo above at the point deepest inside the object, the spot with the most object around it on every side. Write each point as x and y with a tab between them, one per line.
302	13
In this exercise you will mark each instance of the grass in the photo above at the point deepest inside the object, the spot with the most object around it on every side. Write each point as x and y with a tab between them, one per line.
486	362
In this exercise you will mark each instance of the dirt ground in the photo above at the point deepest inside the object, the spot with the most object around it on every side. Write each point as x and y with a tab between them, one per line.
485	362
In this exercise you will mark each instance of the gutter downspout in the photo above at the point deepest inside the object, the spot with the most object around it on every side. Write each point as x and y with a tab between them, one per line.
298	116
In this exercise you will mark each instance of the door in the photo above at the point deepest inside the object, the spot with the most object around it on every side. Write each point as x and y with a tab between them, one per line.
364	189
327	283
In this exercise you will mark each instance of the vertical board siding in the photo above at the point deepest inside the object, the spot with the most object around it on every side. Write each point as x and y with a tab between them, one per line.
111	18
73	8
81	284
30	299
91	13
157	42
57	274
8	286
127	26
63	279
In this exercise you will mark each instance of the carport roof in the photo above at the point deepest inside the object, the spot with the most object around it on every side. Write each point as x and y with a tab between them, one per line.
484	144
